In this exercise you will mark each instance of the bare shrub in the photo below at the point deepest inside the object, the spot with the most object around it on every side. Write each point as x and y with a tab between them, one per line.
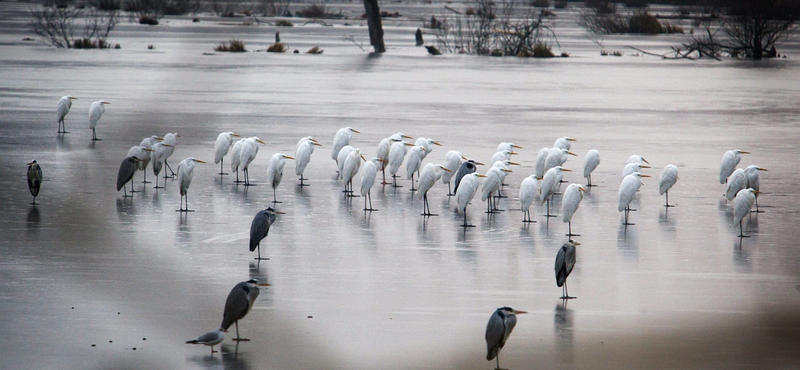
57	26
284	23
274	8
641	21
313	11
235	46
277	47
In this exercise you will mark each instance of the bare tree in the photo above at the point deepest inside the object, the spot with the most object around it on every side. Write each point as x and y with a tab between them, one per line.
274	8
756	25
55	25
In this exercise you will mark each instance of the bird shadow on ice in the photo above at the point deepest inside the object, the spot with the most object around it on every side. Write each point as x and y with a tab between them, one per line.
563	324
228	358
34	220
741	255
628	241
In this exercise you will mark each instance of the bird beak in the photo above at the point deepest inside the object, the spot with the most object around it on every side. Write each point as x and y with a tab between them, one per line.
197	160
105	102
645	175
643	166
645	161
576	243
464	158
516	146
571	140
763	169
316	143
261	142
159	138
176	135
409	144
505	170
72	98
479	164
582	189
539	178
756	192
568	170
356	131
571	153
407	137
446	169
382	160
169	145
279	212
436	143
512	153
148	150
263	284
30	163
479	175
288	157
519	312
236	135
514	163
743	152
362	157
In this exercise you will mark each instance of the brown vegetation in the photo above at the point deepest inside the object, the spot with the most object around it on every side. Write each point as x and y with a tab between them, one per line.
277	47
236	46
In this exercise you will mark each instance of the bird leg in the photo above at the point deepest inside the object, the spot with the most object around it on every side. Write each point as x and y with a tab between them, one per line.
34	201
301	181
426	208
627	212
125	191
412	183
548	208
159	187
498	362
526	216
259	259
94	136
170	170
394	182
756	211
145	177
465	224
566	292
570	230
247	178
494	202
132	190
384	176
238	339
666	204
449	192
220	167
187	205
213	351
741	231
275	197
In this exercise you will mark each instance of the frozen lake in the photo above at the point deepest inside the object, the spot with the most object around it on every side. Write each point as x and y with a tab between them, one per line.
89	280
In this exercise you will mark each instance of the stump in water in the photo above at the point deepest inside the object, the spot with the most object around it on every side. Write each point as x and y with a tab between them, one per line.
420	41
374	24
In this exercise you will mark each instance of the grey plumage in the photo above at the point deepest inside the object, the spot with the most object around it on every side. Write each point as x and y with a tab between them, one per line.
565	262
466	168
126	170
260	228
240	301
498	330
34	179
211	338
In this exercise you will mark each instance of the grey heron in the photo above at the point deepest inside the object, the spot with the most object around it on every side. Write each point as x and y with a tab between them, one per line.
669	176
590	163
34	179
64	105
221	148
96	110
565	262
259	228
185	174
466	168
729	162
498	330
125	174
240	301
211	339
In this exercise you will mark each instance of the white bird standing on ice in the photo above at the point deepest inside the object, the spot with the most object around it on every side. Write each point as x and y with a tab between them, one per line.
633	167
246	156
342	139
751	177
729	162
397	154
414	162
236	157
383	151
741	207
275	172
735	183
351	166
430	174
549	185
564	142
64	105
302	155
185	174
369	171
590	163
172	140
528	190
221	148
96	110
466	191
452	160
569	204
541	161
669	176
627	188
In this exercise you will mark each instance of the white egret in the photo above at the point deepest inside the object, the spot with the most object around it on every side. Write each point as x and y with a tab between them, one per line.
246	156
466	168
148	143
741	207
590	163
397	153
185	174
453	160
368	172
528	190
343	153
627	188
275	172
501	155
259	228
211	339
221	148
414	162
565	262
303	140
35	179
751	177
669	176
430	174
140	152
507	146
159	153
503	164
635	158
236	158
735	183
498	330
465	192
351	166
556	157
549	185
564	142
633	167
569	204
172	140
383	151
342	139
541	162
427	144
125	174
302	155
239	303
729	162
96	110
494	177
64	105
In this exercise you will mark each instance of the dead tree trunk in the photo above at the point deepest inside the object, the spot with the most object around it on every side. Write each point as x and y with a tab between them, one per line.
375	27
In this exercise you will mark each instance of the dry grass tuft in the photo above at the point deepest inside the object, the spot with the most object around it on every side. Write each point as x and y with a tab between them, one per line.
277	47
315	50
235	46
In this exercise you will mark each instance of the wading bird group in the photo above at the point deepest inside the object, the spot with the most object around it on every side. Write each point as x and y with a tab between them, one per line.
541	186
